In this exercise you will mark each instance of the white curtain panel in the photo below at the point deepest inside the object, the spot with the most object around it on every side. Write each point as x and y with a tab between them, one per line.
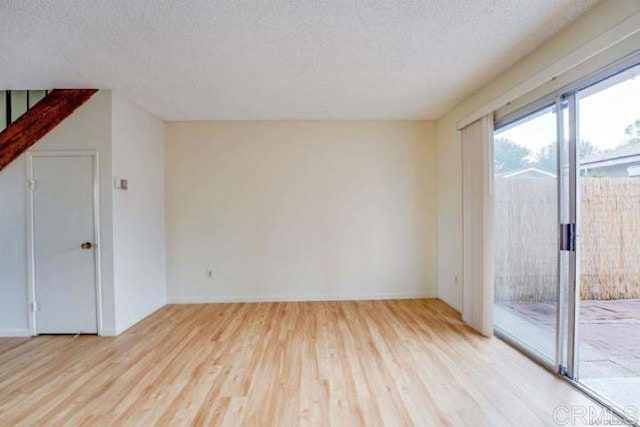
477	223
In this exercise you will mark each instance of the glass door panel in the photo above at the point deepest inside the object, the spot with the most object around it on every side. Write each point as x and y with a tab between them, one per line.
609	243
526	231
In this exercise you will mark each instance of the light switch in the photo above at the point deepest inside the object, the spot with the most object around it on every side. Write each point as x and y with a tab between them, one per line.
121	184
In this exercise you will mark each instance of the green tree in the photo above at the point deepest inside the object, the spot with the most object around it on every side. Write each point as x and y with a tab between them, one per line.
546	157
632	133
587	149
509	156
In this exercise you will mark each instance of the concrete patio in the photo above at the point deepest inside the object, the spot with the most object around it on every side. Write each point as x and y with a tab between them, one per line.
609	334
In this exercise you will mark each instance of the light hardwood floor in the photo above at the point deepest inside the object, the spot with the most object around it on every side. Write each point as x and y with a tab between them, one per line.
393	363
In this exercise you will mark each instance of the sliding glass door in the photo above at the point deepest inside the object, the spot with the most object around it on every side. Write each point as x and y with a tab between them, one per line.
567	232
608	124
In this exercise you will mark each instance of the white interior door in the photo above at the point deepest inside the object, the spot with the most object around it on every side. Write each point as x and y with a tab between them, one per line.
64	249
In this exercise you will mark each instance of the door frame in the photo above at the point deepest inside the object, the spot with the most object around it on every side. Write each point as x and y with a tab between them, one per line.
567	339
31	275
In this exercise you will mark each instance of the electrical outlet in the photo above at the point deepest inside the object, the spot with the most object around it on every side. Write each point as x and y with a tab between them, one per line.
209	274
455	279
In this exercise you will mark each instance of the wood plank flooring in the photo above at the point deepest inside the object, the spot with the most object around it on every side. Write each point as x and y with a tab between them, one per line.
393	363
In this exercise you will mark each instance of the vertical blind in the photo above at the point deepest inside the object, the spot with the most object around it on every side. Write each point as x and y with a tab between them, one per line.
477	223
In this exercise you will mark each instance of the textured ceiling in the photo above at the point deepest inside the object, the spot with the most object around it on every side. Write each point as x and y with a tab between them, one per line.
278	59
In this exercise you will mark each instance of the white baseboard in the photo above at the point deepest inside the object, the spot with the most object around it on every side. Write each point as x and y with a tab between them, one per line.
293	298
26	332
450	303
136	320
108	332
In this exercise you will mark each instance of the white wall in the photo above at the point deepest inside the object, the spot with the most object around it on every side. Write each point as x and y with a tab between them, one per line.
89	127
601	18
300	210
138	213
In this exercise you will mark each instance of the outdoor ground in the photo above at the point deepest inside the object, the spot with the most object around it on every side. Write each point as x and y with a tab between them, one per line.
609	334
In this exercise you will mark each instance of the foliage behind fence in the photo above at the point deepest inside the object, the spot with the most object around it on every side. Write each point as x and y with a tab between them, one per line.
526	234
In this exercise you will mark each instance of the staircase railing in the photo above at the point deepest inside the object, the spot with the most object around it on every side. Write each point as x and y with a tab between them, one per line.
14	103
30	115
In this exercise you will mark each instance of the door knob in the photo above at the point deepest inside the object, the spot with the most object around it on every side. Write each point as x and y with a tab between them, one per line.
86	245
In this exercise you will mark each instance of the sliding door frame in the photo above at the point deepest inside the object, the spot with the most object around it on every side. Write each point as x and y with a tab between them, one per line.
573	273
563	266
568	155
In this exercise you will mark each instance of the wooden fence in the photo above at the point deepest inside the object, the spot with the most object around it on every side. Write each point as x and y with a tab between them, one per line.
526	233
